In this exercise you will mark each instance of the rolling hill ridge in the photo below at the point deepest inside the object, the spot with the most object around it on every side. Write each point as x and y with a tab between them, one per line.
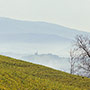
31	31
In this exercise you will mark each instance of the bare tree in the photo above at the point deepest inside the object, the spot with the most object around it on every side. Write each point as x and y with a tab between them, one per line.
72	62
80	55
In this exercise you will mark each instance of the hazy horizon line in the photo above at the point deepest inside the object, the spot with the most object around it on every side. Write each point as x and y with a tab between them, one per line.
25	20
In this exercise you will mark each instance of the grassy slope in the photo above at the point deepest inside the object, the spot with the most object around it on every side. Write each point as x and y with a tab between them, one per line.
20	75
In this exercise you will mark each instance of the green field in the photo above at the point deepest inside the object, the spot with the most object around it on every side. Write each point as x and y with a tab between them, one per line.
21	75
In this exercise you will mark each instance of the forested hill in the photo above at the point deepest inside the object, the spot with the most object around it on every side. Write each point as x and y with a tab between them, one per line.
21	75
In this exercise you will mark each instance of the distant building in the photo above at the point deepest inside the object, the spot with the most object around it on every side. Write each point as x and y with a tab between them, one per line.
36	53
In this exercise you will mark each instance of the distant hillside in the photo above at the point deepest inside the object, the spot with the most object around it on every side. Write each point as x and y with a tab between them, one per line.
29	36
34	32
20	75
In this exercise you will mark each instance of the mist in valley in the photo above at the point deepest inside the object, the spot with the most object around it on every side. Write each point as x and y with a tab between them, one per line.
22	39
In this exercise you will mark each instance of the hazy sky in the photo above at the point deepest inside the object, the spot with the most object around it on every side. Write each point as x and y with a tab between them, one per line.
70	13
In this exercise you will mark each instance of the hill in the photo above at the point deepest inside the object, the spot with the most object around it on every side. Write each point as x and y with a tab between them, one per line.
34	32
27	37
21	75
17	36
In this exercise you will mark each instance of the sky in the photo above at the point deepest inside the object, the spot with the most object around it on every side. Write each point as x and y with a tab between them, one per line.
70	13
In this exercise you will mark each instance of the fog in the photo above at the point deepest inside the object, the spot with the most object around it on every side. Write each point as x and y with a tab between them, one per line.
50	55
21	39
31	48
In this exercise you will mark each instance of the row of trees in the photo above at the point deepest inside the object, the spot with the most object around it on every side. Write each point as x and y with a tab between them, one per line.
80	56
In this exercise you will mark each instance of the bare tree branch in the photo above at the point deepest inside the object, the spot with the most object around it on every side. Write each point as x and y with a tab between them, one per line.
80	55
